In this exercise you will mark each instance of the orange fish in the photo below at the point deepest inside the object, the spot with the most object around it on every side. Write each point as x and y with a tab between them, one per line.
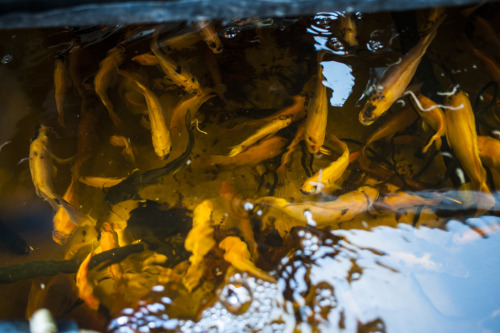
85	288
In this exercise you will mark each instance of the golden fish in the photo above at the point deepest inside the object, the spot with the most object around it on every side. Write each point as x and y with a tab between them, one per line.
317	114
400	200
345	208
267	130
188	104
85	288
266	149
398	122
146	59
199	242
462	138
108	68
209	35
237	254
100	182
489	151
433	115
109	241
121	141
180	42
326	178
40	161
175	73
61	84
162	141
395	80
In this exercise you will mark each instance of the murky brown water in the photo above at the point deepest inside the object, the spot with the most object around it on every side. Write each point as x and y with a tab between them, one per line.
385	238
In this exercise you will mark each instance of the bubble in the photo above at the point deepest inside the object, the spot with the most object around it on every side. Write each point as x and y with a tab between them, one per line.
236	298
7	58
375	45
230	32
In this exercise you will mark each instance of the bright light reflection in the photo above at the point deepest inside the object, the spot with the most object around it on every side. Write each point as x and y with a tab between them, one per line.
338	78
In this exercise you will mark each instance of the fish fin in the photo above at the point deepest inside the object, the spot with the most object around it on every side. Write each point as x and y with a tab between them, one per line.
76	216
63	160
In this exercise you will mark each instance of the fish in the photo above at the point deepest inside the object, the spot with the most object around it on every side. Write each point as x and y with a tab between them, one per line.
286	158
326	213
395	80
489	151
432	115
174	72
326	178
267	130
146	59
189	104
180	42
107	242
104	77
61	84
237	254
85	288
266	149
462	137
398	122
121	141
40	162
199	241
128	189
399	200
209	35
317	114
100	182
161	137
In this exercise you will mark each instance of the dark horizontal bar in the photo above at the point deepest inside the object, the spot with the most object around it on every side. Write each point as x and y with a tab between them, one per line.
53	13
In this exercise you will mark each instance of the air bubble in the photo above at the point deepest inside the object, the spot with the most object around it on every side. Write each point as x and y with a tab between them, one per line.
236	298
7	58
230	32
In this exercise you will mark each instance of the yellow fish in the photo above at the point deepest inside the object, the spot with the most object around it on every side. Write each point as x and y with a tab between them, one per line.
162	141
199	242
433	115
348	29
188	104
395	80
108	68
489	151
271	128
85	288
209	35
40	161
327	213
121	141
317	114
462	138
174	72
326	178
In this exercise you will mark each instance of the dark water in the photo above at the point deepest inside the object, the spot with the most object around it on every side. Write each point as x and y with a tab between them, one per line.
386	263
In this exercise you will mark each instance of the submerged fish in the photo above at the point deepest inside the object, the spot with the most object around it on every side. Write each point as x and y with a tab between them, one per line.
61	83
395	80
209	35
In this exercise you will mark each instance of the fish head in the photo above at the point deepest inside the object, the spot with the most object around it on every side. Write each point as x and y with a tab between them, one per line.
367	114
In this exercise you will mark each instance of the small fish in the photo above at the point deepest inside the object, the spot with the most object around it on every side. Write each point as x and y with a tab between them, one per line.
128	188
392	202
237	254
174	72
188	104
180	42
267	130
199	241
395	80
398	122
108	69
433	115
266	149
107	242
40	162
489	151
162	141
326	213
209	35
146	59
85	288
286	158
100	182
121	141
462	138
326	178
61	84
317	114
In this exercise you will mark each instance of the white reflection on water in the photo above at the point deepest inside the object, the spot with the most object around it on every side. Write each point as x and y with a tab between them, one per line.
339	78
418	280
